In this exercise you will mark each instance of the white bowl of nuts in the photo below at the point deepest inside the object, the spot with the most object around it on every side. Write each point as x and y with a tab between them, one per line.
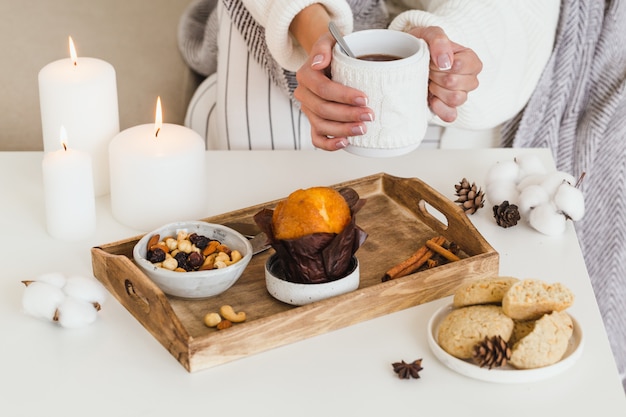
193	259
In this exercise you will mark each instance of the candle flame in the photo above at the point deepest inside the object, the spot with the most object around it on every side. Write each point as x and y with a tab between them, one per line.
63	138
158	120
73	54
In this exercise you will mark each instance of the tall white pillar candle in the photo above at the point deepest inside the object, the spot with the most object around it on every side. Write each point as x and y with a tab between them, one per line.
81	94
68	193
158	175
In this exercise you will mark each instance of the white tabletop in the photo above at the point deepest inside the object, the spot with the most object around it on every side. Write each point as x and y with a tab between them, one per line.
114	367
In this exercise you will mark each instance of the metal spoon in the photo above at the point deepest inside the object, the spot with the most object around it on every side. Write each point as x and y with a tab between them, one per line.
334	30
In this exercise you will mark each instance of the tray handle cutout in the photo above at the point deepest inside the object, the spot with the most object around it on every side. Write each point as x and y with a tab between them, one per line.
141	297
437	211
436	219
141	301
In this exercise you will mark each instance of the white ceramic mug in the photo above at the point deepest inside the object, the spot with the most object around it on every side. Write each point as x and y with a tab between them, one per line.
396	89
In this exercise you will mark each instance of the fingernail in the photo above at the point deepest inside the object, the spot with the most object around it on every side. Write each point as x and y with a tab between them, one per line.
341	144
443	62
367	117
360	101
357	130
317	59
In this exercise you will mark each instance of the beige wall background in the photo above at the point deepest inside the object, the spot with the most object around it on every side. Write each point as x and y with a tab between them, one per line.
137	37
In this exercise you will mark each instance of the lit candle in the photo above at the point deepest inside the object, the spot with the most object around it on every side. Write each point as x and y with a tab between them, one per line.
157	175
81	94
68	192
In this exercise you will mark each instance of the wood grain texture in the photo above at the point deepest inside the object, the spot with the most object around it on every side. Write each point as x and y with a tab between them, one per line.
397	217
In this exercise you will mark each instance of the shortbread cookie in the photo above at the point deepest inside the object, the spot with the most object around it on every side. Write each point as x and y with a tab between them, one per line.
529	299
484	291
545	344
521	329
463	327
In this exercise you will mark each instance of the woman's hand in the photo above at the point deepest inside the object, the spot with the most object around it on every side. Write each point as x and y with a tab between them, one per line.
453	72
334	110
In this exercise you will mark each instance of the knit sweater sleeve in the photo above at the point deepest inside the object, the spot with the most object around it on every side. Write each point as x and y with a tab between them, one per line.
276	16
513	39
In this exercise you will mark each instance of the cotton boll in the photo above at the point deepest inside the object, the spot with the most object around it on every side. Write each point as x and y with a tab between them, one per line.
546	219
570	201
86	289
529	164
53	278
532	179
499	191
41	300
74	312
530	197
553	180
502	171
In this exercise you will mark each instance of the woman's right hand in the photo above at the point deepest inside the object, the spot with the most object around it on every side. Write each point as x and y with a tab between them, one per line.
334	110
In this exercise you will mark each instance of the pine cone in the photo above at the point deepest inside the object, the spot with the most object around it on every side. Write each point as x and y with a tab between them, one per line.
491	352
506	214
471	198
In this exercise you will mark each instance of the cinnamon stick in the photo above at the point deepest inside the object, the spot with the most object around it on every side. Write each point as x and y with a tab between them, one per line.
442	251
414	262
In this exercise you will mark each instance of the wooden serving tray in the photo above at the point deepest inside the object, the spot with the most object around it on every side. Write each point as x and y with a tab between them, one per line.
399	216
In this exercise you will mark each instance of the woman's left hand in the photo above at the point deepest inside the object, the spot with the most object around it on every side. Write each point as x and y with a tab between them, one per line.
453	72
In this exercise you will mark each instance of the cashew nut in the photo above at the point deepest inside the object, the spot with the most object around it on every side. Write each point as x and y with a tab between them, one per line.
222	256
229	314
212	319
219	265
235	256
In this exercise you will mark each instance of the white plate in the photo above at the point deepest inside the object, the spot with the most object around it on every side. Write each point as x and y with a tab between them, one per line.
504	374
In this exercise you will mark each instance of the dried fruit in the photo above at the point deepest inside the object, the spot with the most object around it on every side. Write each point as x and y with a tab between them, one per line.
156	255
199	241
181	258
195	260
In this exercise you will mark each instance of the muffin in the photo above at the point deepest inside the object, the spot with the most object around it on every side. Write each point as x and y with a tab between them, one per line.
314	233
313	210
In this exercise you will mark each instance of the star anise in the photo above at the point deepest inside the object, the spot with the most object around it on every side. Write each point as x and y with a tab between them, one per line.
408	370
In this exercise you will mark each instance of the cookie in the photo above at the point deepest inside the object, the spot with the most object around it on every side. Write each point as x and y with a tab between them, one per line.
545	344
530	299
463	327
521	329
484	291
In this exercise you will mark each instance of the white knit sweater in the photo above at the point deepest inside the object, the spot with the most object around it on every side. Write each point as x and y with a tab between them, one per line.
513	39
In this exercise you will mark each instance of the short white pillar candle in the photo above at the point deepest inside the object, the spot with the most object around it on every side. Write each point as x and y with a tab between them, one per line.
158	175
68	193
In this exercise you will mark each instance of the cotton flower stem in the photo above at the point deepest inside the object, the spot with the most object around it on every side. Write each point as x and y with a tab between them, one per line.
580	180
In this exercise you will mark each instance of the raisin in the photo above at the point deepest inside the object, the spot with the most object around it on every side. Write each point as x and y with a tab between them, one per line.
156	255
181	258
199	241
195	260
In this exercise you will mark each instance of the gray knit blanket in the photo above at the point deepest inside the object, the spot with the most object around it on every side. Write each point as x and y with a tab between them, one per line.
578	111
